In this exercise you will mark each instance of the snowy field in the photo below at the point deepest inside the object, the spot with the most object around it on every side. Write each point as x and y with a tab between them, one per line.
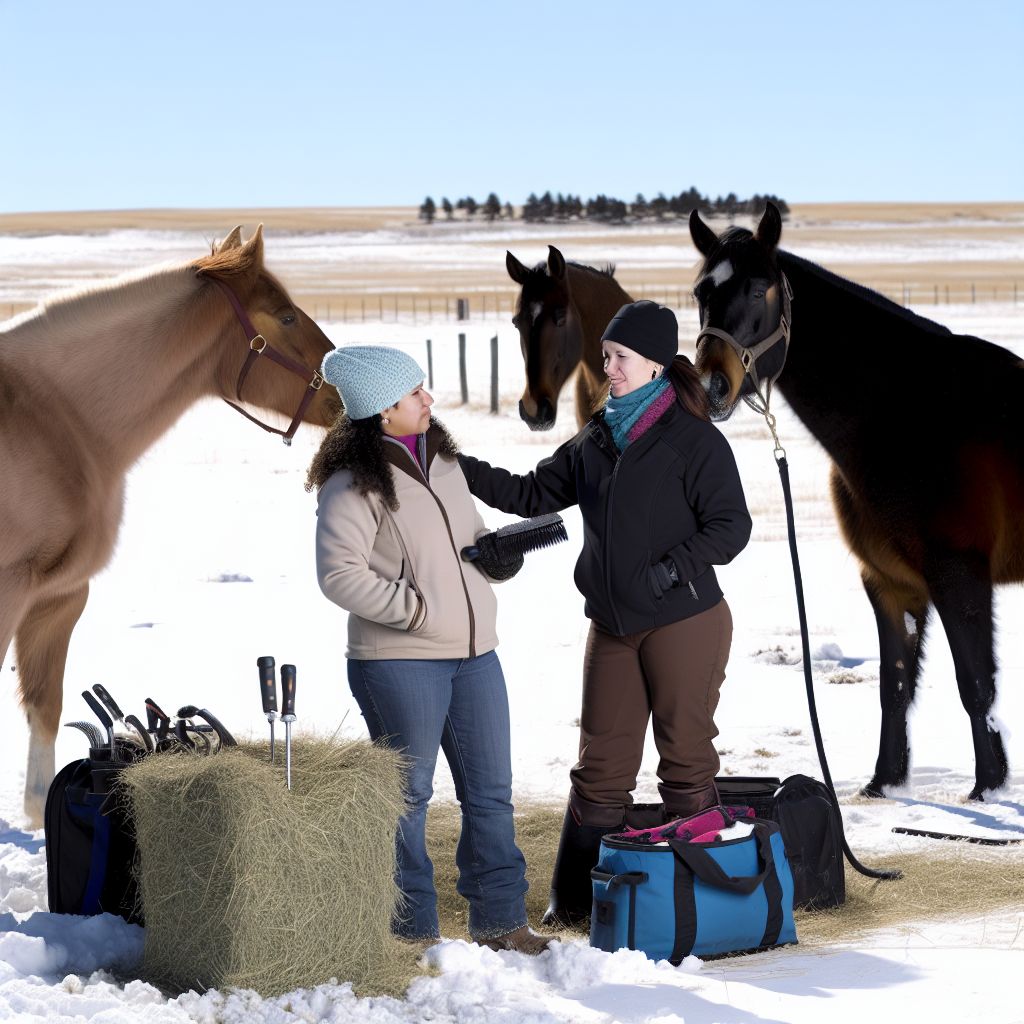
33	264
215	567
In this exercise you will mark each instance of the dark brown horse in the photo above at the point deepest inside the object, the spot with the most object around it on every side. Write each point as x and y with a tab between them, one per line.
562	310
925	430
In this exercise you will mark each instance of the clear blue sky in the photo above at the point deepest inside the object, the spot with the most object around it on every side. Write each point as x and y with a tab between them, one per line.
149	103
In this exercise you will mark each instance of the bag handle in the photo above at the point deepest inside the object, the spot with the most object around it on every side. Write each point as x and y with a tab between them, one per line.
612	880
706	868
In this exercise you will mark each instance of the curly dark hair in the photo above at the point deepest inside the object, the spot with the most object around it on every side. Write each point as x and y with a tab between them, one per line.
358	446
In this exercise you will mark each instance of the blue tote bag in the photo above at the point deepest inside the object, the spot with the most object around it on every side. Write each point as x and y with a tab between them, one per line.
678	898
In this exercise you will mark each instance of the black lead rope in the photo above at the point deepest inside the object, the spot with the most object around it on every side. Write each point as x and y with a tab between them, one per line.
811	704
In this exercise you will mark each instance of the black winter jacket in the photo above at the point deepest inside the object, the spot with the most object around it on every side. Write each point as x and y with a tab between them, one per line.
675	492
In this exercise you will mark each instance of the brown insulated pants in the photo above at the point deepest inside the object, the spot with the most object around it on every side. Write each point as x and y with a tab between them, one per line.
674	673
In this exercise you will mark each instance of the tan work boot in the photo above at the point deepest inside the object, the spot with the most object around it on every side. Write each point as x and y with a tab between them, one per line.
522	940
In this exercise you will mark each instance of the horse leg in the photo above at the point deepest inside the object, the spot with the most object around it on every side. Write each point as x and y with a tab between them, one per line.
902	618
42	642
962	591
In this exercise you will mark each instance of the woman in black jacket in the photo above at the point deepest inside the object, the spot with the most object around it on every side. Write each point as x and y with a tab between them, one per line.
662	504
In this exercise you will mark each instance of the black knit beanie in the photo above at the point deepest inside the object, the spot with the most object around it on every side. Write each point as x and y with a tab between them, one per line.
647	328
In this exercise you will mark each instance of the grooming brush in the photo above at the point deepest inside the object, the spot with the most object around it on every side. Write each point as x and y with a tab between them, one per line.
519	538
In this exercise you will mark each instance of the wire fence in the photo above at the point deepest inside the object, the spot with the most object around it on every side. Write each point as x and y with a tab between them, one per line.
395	306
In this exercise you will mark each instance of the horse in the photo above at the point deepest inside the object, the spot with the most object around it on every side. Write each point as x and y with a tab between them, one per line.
561	312
88	382
925	432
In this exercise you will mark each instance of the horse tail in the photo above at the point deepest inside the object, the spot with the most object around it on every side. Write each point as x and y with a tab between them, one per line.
689	390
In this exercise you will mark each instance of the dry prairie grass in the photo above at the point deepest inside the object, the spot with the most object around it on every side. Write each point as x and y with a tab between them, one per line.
962	216
385	288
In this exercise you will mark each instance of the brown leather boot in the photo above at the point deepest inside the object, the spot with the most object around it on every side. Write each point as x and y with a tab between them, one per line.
683	804
522	940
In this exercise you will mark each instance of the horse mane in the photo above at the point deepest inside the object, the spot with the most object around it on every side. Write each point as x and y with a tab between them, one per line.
608	270
735	244
861	293
99	299
231	262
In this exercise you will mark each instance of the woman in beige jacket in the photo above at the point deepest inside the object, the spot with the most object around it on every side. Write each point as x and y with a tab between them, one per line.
394	513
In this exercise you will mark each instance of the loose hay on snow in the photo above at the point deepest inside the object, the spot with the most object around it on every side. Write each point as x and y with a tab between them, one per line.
941	880
246	884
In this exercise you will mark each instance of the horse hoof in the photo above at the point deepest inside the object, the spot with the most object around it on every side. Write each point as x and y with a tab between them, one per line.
873	790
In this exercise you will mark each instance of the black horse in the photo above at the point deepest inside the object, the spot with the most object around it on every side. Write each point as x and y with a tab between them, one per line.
925	430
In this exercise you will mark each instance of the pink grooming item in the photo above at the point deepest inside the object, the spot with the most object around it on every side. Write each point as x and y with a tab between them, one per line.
708	837
708	822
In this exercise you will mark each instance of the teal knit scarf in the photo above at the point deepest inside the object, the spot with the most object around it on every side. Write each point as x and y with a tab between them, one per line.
621	414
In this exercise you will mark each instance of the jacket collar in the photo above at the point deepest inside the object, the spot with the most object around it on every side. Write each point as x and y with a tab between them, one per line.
601	433
437	440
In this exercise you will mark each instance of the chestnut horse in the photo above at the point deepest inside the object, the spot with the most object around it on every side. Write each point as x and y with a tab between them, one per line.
561	313
925	430
88	382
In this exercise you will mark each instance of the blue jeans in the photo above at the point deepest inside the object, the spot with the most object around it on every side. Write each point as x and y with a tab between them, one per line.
460	706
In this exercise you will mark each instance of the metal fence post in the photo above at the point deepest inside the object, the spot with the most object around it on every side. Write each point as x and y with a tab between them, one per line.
463	386
494	374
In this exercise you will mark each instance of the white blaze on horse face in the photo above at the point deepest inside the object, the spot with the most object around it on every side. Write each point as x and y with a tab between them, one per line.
721	273
535	309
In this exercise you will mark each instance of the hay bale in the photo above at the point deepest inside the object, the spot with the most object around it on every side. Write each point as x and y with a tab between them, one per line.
245	884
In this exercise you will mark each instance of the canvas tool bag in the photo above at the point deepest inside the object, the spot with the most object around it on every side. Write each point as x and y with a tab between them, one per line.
670	896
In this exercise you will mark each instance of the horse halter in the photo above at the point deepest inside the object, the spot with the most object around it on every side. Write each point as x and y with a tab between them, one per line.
258	346
749	355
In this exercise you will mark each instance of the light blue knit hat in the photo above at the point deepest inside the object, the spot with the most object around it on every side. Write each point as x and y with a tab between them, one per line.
369	378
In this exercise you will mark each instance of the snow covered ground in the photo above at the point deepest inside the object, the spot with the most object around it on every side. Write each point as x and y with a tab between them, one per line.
215	567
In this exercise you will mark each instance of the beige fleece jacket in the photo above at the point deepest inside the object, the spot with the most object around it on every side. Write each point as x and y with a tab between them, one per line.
399	573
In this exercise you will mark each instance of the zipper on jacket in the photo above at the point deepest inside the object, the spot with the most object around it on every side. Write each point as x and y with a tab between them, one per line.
416	461
462	576
693	590
606	443
607	553
451	541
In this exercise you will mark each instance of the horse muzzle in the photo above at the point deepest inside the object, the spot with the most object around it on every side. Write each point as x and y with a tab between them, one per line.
718	389
543	419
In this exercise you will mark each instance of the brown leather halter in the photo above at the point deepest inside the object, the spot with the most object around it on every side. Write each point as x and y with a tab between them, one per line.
257	347
749	356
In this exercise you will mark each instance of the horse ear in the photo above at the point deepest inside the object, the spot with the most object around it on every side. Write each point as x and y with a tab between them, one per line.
703	237
556	263
769	230
232	241
515	269
253	249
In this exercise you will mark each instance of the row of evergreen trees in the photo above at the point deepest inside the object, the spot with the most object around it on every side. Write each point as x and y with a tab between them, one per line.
491	209
560	207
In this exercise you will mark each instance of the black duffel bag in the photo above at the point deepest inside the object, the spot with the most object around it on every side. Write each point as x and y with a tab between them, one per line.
90	846
812	831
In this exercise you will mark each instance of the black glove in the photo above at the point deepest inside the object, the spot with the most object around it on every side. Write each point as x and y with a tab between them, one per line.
488	562
663	576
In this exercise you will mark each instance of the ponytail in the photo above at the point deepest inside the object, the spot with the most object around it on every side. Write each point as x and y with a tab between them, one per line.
689	390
